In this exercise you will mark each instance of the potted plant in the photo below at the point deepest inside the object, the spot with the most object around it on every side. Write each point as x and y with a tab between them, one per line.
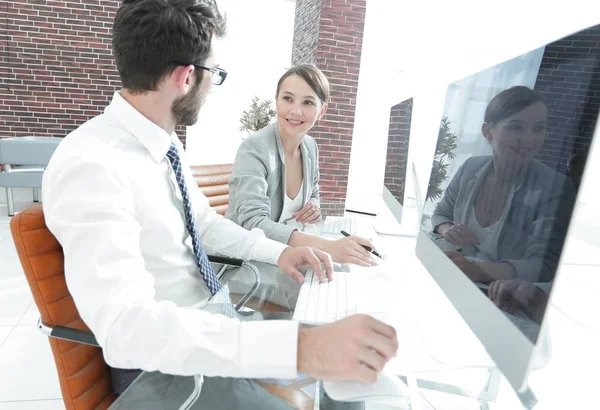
447	142
257	116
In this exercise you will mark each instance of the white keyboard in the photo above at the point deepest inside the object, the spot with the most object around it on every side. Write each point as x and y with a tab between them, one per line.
348	293
336	226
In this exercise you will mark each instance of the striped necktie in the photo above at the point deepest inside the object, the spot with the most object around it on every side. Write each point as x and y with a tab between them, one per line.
206	269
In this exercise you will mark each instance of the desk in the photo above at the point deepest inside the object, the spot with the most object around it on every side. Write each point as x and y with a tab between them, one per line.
157	391
438	386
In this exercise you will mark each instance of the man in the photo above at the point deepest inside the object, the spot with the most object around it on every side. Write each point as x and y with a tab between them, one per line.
135	229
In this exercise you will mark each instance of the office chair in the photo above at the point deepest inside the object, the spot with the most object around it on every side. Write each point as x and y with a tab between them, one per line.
83	374
24	160
213	181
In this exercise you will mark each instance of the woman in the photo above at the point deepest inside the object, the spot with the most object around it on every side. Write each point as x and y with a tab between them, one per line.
508	212
275	179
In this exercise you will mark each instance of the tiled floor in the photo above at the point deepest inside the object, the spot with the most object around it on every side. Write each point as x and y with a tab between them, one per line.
28	379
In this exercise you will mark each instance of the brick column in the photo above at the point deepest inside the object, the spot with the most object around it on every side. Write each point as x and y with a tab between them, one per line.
328	33
56	65
397	148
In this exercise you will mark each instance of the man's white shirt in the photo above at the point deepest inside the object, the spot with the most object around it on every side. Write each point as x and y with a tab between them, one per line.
111	199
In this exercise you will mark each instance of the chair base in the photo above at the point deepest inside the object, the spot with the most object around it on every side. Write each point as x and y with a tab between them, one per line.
10	202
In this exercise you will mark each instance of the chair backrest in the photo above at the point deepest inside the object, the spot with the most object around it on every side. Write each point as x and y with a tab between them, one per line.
27	150
84	376
213	181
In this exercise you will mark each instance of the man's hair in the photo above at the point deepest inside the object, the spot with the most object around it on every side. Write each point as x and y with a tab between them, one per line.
150	35
313	77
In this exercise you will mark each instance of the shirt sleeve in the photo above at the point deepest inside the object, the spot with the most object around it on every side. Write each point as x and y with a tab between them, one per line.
548	231
444	209
90	209
316	196
224	237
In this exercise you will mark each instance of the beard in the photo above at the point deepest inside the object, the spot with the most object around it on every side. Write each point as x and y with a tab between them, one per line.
185	109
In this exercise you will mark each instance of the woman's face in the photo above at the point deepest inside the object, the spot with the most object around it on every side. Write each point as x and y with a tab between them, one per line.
298	107
516	139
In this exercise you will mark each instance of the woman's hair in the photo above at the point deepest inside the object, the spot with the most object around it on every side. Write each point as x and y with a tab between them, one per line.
510	102
313	77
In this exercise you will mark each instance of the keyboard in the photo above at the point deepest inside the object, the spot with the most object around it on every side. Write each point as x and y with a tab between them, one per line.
337	225
529	328
346	294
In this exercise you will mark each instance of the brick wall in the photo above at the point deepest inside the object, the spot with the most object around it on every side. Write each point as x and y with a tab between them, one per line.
306	31
337	53
56	65
397	148
569	79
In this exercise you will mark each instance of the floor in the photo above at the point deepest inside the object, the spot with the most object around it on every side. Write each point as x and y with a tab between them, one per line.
28	379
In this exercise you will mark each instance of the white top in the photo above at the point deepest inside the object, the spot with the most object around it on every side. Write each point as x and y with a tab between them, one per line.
291	206
486	236
111	199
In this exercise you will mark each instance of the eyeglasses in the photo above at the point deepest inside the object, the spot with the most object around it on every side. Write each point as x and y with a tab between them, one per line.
218	74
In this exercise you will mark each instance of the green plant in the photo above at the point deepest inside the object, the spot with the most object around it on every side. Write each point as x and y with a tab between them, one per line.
447	142
257	116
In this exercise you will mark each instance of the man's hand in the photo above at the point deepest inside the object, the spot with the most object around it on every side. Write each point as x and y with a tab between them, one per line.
309	214
471	269
349	250
355	348
293	258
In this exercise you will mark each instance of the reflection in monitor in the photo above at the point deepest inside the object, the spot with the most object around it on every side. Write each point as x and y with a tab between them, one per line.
511	149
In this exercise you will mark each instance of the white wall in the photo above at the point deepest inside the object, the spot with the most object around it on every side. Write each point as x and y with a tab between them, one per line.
256	52
414	49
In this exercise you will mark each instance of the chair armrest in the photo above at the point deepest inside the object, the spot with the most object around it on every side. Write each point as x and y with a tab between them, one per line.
224	260
67	333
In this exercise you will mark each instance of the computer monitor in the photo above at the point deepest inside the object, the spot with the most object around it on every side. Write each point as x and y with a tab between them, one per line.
512	146
401	196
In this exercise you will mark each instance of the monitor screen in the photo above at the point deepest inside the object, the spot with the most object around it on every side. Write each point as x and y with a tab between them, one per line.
511	149
397	149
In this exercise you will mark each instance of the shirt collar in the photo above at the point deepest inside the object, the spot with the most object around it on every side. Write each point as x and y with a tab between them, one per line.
156	140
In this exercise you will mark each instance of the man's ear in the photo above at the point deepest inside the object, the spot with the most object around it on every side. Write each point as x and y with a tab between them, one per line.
184	77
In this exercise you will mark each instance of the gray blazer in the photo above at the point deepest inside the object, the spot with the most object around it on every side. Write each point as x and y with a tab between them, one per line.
257	184
532	234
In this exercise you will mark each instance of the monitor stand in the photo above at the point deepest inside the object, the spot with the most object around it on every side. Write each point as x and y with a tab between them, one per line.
386	224
454	368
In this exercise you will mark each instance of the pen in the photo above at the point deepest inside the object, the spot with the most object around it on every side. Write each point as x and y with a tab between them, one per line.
366	247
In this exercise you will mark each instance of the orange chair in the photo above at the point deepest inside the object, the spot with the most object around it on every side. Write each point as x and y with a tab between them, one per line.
83	374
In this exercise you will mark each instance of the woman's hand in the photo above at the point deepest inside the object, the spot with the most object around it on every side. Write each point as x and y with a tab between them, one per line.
471	269
349	250
309	214
458	234
514	294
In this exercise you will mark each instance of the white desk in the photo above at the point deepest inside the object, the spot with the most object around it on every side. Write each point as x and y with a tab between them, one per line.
418	309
